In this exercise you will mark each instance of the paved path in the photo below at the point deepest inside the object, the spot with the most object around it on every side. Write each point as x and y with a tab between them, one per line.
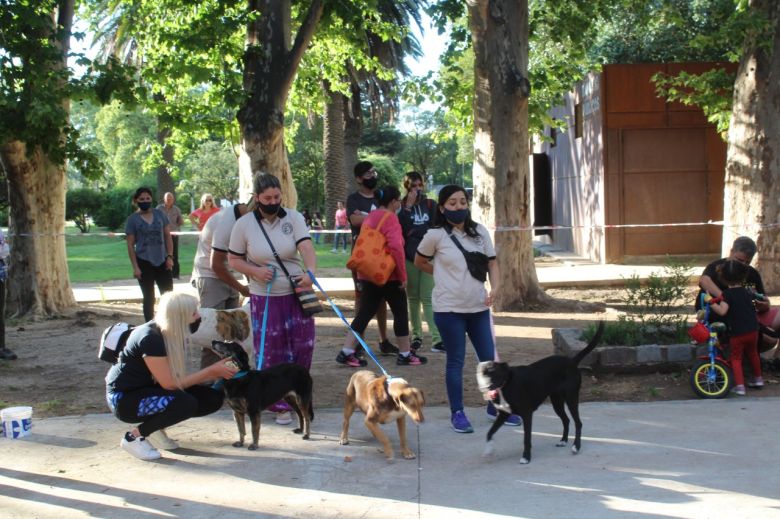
667	459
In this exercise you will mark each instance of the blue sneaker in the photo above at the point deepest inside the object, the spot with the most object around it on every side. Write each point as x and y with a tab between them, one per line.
512	421
460	423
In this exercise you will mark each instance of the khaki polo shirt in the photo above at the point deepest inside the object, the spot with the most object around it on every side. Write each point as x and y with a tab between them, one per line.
455	289
286	232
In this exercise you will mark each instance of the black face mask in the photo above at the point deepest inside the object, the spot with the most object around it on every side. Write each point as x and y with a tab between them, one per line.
194	325
269	208
144	206
370	183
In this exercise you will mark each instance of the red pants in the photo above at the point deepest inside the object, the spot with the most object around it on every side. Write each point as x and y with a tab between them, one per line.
747	343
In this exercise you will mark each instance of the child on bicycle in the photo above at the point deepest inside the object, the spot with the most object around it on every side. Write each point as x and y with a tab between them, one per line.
736	305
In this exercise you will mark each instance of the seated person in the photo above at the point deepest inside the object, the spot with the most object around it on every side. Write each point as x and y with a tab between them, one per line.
742	250
148	384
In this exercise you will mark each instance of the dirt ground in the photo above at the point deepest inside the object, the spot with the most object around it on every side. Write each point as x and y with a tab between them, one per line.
58	371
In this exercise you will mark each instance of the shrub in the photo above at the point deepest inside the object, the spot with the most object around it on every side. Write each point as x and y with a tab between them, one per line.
652	315
116	206
81	205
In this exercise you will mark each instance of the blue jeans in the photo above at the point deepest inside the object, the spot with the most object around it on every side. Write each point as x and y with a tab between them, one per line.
453	328
341	236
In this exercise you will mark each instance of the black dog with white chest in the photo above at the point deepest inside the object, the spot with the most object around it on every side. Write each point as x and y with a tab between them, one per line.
251	391
522	389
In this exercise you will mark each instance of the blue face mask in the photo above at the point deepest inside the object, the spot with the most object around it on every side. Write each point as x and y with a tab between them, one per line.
456	217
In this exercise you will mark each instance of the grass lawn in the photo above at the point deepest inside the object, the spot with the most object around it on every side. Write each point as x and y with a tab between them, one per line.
98	259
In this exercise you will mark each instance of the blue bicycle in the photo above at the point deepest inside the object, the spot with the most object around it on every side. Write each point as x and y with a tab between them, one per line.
711	374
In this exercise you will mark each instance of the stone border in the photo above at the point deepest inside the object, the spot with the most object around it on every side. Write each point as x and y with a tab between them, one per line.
627	359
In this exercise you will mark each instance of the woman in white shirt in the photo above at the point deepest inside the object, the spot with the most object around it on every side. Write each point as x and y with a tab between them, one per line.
461	304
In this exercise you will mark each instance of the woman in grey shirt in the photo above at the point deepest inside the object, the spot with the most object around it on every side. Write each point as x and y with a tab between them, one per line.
150	248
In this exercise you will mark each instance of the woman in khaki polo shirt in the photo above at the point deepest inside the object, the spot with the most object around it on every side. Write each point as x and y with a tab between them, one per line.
289	335
461	304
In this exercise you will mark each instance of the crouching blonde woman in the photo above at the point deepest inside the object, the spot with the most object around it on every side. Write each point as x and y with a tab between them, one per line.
148	384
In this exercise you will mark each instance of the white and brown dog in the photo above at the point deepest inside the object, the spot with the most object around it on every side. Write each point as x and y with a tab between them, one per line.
222	325
383	399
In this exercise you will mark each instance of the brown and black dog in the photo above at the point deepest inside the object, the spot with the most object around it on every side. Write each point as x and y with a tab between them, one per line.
251	391
383	399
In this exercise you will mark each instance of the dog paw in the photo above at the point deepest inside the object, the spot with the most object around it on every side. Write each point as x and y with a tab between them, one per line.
305	436
343	441
409	455
253	447
575	449
561	443
524	461
488	451
238	444
298	430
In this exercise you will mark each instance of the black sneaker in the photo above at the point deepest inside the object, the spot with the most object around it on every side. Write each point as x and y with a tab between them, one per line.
7	354
410	360
416	344
388	348
350	360
438	347
360	352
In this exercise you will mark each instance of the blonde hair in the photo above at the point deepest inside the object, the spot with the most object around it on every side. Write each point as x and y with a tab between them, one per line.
203	198
173	318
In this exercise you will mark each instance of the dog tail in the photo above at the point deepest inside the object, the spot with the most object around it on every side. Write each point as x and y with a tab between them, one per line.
591	345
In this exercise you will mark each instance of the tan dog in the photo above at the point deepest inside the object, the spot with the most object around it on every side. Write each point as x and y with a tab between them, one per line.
382	400
222	325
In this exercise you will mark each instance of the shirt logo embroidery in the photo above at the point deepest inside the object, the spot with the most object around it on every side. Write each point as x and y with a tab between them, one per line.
287	228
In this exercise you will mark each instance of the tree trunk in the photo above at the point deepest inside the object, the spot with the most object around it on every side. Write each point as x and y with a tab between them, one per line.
271	61
39	284
752	187
499	32
353	132
333	153
164	179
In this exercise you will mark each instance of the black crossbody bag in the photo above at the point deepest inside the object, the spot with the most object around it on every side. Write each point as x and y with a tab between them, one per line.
476	262
308	300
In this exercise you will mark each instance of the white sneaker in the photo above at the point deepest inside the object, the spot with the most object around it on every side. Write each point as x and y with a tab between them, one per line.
284	418
141	449
161	441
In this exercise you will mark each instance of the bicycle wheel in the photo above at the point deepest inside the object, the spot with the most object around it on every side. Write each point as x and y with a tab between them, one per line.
711	380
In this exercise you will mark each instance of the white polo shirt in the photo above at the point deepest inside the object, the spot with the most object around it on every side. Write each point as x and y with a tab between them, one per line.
455	289
286	232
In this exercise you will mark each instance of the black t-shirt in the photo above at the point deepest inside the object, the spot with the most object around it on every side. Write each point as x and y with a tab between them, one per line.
358	202
741	317
415	222
130	372
752	282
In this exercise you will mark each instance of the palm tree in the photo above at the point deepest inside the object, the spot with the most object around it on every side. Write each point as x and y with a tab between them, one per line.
343	116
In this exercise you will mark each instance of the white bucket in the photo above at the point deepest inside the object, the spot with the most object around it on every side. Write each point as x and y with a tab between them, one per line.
17	421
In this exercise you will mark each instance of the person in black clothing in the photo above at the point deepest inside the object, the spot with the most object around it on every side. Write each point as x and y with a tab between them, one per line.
736	305
742	250
149	385
359	204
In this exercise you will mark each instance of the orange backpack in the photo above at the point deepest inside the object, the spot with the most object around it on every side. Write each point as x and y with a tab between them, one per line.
370	257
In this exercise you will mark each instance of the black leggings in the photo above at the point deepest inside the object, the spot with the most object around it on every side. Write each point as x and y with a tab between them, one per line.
149	276
157	408
371	296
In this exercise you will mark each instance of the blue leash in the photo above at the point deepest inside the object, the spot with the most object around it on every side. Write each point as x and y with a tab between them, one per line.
366	347
265	319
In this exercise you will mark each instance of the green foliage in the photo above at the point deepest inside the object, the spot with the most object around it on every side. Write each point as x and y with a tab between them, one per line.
126	137
116	206
655	300
212	167
712	91
652	315
35	84
81	205
308	167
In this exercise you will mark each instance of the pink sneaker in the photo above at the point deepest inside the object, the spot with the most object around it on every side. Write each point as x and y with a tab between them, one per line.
410	360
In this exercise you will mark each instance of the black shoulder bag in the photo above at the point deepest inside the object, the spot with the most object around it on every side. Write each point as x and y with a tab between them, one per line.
476	262
308	300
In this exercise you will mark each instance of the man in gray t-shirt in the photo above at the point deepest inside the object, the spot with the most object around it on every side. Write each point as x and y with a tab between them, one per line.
175	220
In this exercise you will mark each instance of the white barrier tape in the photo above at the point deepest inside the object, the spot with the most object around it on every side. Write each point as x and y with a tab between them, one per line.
496	229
